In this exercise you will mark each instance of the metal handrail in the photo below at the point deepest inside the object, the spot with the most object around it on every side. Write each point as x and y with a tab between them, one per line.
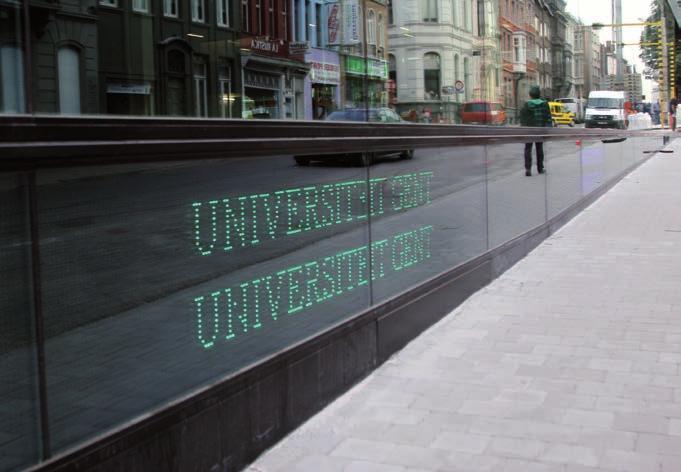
35	141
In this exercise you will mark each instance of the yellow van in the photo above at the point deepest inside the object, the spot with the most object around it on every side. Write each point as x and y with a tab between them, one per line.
560	115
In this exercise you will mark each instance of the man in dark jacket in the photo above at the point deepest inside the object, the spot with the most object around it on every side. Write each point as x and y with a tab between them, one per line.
672	113
535	112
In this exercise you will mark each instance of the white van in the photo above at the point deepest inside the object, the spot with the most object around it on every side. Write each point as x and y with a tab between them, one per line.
605	109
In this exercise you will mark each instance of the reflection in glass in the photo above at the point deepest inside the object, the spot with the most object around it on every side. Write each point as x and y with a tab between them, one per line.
169	277
12	95
19	431
303	59
516	202
428	215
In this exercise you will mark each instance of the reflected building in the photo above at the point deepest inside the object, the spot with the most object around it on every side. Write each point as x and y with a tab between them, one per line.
12	79
64	51
517	38
179	58
362	44
437	55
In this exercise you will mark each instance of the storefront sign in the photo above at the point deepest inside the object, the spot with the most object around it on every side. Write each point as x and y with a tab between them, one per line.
137	89
333	21
298	47
265	46
256	79
324	73
351	19
355	65
377	68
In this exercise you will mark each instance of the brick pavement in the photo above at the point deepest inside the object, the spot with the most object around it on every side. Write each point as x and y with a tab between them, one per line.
567	362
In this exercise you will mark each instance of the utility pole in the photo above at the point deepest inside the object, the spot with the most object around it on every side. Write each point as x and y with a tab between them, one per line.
664	72
617	39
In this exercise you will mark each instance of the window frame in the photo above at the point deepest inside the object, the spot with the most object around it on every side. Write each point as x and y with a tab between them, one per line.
168	6
140	6
198	11
222	12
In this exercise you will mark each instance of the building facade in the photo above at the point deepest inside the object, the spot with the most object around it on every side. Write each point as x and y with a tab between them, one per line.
433	46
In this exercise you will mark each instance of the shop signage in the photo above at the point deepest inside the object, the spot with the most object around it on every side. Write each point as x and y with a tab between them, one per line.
333	21
138	89
373	68
447	89
265	46
459	86
256	79
355	65
298	47
324	73
377	68
351	22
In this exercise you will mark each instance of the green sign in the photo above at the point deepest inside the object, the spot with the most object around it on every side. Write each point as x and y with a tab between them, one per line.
370	67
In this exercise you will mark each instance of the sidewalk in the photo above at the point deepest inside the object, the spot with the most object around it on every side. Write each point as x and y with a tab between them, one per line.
568	362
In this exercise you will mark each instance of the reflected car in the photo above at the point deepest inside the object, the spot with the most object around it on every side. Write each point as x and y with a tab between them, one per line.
560	115
480	112
370	115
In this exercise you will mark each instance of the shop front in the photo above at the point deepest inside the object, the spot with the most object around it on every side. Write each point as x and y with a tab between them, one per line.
366	83
273	80
322	85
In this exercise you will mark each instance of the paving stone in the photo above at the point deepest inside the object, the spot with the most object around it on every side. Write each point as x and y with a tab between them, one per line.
569	454
461	442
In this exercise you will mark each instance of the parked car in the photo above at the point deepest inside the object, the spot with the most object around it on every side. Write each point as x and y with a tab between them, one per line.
575	106
480	112
560	115
370	115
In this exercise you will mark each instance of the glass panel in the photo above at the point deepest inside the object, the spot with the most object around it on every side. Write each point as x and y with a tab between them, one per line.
516	202
563	176
593	165
19	430
12	95
159	279
428	214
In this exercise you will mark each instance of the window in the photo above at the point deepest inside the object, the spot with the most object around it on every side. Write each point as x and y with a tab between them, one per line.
429	10
481	17
320	24
431	76
200	88
392	75
198	11
68	69
109	3
225	90
468	14
222	12
457	73
391	18
272	22
284	20
141	6
467	78
170	8
11	80
371	28
381	32
258	16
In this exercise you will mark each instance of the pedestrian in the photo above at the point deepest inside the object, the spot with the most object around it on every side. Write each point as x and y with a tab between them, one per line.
535	112
672	112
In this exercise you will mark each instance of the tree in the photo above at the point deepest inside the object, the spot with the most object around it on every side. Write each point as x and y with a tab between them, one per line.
651	55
